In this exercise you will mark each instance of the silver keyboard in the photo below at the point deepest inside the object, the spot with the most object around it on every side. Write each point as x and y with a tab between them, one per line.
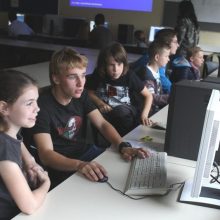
147	176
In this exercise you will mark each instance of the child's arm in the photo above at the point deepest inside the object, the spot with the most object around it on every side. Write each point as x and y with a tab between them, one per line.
27	201
110	133
29	166
57	161
102	106
148	99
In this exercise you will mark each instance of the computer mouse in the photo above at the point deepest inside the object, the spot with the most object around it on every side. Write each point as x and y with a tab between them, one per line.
103	180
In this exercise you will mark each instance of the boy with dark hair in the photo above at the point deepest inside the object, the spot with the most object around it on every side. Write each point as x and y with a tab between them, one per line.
111	87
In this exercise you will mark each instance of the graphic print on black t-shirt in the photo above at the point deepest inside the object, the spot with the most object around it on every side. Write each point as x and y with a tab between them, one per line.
117	95
71	129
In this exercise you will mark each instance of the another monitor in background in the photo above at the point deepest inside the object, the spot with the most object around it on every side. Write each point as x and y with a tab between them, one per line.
153	31
20	17
92	25
200	190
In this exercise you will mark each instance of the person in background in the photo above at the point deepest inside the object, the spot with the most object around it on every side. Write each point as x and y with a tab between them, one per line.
17	27
189	67
140	39
165	36
59	133
158	57
187	27
23	183
100	36
112	86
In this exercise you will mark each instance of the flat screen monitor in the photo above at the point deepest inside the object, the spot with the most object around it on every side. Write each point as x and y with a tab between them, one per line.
20	17
199	189
153	31
92	25
128	5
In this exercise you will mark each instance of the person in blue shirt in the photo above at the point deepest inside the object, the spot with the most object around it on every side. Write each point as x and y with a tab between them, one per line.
165	36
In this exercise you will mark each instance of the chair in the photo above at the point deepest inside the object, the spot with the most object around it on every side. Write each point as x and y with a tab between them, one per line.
210	65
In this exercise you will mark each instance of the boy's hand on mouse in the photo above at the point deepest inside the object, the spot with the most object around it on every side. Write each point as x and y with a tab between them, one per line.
92	170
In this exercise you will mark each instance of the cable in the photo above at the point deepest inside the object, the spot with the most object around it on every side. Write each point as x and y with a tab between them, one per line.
215	169
169	189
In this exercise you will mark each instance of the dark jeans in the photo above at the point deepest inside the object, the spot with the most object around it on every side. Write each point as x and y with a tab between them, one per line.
123	118
56	177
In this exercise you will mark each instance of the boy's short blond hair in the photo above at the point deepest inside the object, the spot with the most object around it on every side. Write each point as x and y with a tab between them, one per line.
191	52
65	59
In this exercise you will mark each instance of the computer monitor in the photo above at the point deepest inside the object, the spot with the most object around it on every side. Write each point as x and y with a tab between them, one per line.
92	25
199	190
187	109
20	17
153	31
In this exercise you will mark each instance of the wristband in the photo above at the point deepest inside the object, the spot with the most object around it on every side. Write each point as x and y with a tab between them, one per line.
123	144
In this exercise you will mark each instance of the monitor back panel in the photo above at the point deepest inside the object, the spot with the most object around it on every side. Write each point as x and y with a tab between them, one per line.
187	108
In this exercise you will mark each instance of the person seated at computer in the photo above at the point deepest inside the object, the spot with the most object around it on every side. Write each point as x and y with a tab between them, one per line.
100	36
189	67
17	27
59	133
112	86
140	39
166	36
149	74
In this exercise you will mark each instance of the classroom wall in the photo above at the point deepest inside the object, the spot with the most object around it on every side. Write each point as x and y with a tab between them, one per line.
140	20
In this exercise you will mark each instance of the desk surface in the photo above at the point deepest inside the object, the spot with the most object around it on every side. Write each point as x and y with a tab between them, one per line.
78	198
54	47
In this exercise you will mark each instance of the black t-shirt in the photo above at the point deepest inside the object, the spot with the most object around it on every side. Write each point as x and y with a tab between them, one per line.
10	150
116	92
65	124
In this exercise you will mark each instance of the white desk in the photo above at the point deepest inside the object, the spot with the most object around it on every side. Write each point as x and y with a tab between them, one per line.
77	198
39	72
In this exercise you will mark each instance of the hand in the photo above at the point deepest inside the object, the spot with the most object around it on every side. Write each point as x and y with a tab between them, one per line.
146	121
128	153
92	170
31	175
104	108
36	176
42	175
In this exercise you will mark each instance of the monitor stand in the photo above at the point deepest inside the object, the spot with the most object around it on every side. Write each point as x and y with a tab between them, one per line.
209	195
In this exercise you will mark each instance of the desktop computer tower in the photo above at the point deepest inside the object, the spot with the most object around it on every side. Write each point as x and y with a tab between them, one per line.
125	33
187	109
